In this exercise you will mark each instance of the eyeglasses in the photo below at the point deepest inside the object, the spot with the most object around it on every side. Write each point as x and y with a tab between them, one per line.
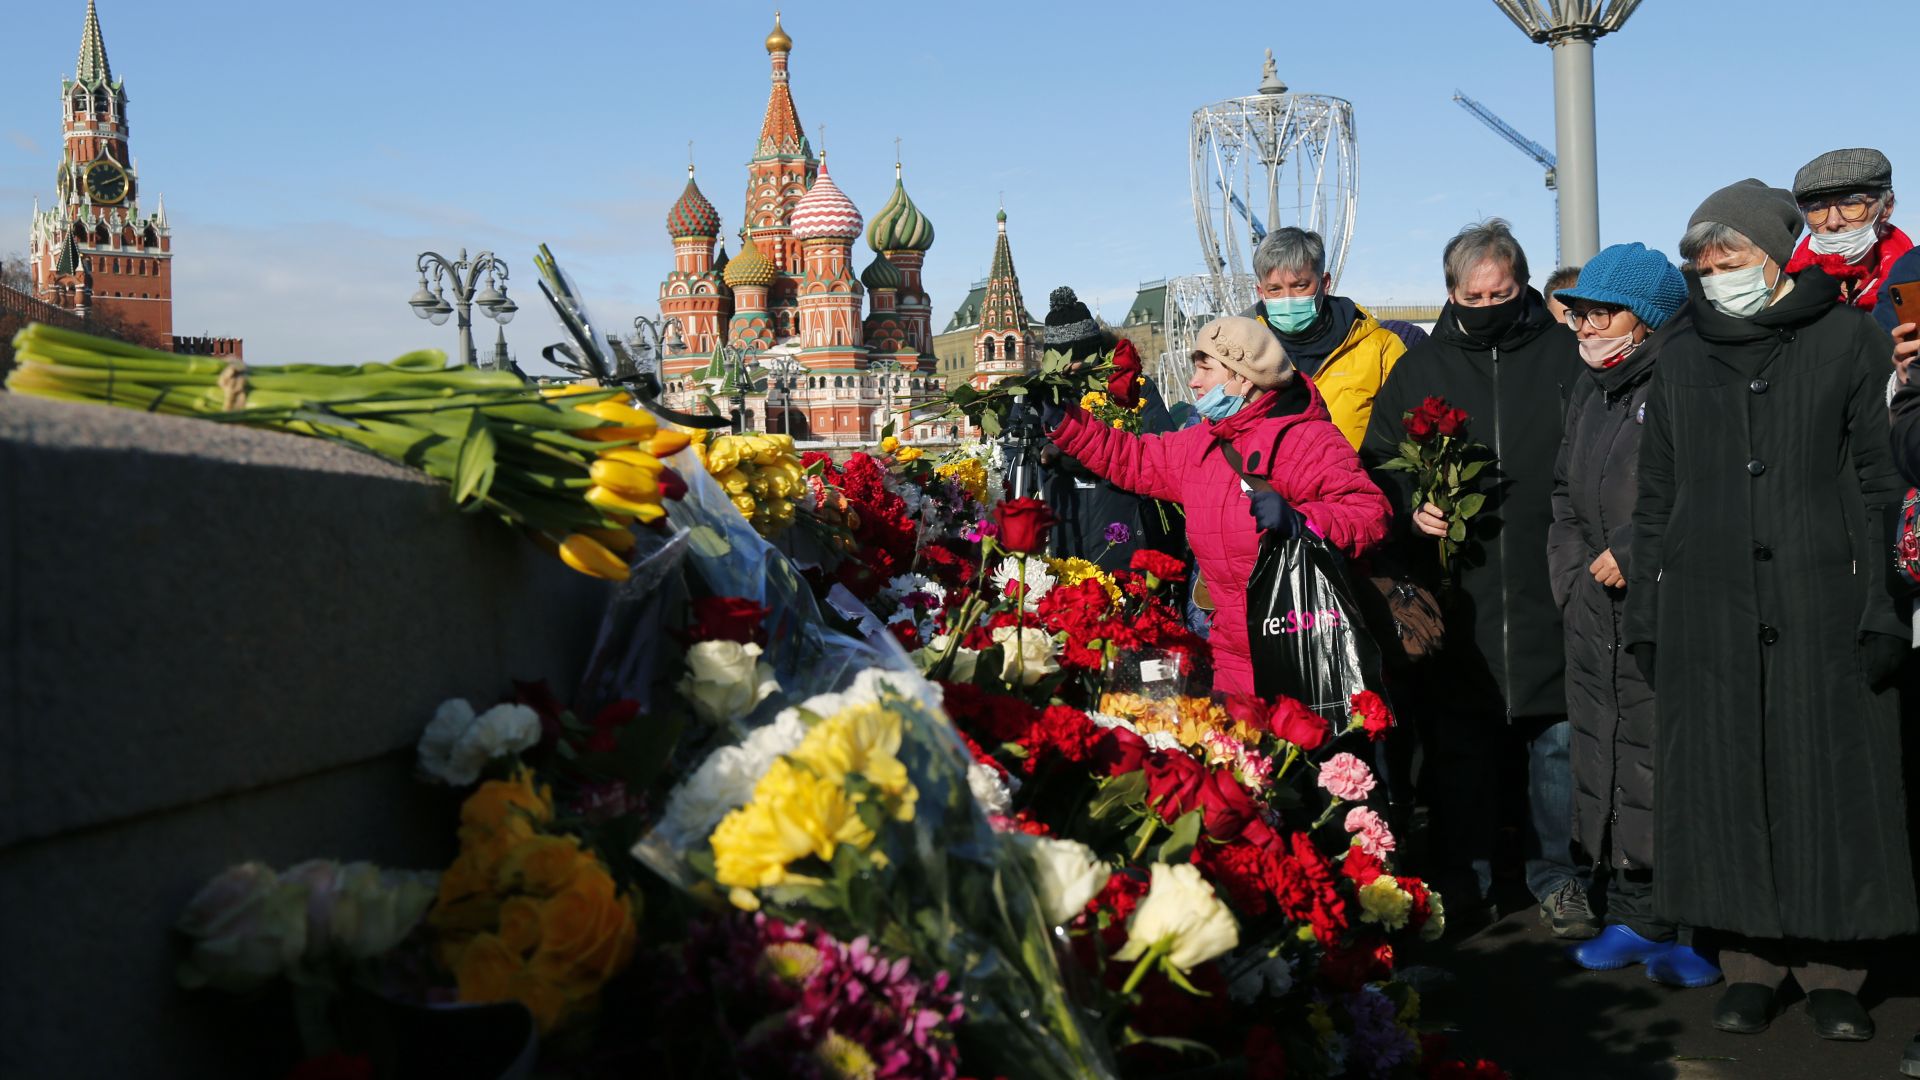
1853	209
1598	318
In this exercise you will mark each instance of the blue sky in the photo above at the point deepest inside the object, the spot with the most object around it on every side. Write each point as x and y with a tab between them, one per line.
307	154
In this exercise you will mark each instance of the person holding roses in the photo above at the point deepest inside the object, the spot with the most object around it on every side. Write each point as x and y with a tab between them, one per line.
1762	603
1250	397
1500	362
1089	506
1623	307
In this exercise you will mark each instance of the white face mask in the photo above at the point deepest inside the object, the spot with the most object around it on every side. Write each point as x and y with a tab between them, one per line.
1740	293
1851	245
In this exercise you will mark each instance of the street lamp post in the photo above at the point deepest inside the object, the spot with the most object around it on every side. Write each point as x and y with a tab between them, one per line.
735	367
463	277
665	335
784	372
885	371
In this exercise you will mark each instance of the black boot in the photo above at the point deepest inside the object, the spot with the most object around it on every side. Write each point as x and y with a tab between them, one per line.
1745	1009
1839	1015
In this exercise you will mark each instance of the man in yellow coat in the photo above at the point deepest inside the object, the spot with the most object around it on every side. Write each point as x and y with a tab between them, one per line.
1330	339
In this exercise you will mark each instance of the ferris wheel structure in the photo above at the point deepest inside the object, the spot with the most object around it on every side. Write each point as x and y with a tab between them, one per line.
1268	160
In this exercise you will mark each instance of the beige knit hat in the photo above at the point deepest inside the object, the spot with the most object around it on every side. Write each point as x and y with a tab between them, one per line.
1246	348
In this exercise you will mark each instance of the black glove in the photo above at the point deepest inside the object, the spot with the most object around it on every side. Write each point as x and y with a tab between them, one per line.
1643	655
1881	658
1272	513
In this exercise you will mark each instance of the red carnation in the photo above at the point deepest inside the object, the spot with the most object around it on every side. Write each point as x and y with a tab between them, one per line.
1158	564
728	618
1299	725
1024	524
1361	867
1122	385
1373	713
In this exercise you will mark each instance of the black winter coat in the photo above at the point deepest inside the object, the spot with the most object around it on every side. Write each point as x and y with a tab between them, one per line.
1608	700
1906	431
1762	555
1503	651
1085	504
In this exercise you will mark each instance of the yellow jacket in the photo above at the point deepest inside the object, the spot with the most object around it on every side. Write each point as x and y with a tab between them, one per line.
1354	372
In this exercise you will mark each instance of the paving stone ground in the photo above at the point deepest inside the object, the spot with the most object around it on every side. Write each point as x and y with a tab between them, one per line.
1519	1001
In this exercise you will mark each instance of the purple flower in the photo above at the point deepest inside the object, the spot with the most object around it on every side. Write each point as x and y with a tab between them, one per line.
1379	1043
1118	533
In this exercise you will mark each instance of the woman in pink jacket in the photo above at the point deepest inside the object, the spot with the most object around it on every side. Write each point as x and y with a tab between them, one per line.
1250	396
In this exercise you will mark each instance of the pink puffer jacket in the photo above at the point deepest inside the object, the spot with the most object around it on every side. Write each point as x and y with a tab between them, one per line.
1318	473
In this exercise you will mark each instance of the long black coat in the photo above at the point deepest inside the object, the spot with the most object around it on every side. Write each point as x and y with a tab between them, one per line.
1085	504
1609	701
1762	552
1503	651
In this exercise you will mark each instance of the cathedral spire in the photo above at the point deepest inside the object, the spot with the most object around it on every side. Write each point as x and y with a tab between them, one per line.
780	132
1003	308
92	69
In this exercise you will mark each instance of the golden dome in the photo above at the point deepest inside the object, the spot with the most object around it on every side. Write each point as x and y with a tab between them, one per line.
778	41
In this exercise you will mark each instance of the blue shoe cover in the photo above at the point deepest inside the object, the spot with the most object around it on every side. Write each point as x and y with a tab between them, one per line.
1616	947
1681	966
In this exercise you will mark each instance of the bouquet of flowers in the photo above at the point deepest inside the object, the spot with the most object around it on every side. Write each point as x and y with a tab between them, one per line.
1060	377
1444	462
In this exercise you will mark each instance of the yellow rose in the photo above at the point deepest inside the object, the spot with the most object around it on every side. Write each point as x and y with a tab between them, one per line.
587	935
889	444
909	453
485	969
520	925
793	814
543	865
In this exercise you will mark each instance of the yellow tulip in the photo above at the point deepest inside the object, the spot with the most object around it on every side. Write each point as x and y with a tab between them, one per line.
608	499
618	541
734	481
889	444
569	390
667	441
629	481
639	459
624	415
744	504
590	557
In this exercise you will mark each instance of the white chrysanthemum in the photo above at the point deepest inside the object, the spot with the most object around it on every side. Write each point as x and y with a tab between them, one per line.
1039	579
456	745
905	585
989	790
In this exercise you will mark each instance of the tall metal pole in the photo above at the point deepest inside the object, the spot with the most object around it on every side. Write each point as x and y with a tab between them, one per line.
1577	148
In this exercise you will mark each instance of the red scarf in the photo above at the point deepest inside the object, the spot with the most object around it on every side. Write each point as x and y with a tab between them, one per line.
1859	282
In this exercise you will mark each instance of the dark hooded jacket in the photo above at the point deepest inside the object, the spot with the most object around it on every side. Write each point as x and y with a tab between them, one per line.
1608	699
1503	651
1761	578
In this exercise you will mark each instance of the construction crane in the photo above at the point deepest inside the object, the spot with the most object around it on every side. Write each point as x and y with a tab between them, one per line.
1526	146
1259	230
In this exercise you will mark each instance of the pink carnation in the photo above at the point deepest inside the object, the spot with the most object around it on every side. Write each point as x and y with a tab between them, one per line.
1346	777
1371	830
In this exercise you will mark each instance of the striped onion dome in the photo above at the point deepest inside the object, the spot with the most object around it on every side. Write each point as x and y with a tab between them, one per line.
749	267
881	274
693	215
899	226
825	212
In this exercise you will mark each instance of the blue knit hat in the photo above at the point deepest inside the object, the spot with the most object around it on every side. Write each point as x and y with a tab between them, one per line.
1634	277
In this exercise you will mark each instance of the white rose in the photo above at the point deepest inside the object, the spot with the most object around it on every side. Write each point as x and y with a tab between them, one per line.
1067	874
725	679
375	909
1028	655
1182	916
502	731
988	789
247	928
965	661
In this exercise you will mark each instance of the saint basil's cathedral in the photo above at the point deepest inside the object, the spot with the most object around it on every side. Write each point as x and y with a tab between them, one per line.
790	299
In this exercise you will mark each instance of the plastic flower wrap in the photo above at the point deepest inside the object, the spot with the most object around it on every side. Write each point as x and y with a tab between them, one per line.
855	812
761	475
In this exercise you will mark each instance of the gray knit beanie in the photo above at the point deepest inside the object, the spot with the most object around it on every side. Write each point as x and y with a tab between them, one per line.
1768	216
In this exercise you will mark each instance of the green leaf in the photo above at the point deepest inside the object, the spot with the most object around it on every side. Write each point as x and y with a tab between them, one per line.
990	424
1472	469
1457	532
1186	833
1397	465
889	429
473	474
1470	505
1118	794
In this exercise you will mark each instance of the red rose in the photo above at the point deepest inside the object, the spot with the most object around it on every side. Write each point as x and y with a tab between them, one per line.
1158	564
1024	524
1174	782
1420	426
728	618
1119	751
1452	422
1122	384
1227	806
1299	725
1371	709
1249	712
671	485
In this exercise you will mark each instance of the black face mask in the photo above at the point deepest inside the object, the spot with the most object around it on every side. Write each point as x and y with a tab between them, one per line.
1492	322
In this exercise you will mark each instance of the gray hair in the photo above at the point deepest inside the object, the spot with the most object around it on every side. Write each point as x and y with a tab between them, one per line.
1489	240
1290	249
1704	236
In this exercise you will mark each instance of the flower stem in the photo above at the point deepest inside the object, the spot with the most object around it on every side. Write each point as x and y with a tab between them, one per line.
1327	814
1153	826
1147	963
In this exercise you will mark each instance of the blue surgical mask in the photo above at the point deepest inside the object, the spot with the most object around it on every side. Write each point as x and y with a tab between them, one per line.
1740	293
1217	404
1292	314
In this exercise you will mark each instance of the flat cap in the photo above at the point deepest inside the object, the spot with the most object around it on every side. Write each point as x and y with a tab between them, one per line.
1858	169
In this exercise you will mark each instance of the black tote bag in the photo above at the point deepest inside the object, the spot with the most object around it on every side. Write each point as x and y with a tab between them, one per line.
1307	636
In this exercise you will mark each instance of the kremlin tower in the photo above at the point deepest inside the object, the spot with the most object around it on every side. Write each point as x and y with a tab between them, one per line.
791	298
1004	343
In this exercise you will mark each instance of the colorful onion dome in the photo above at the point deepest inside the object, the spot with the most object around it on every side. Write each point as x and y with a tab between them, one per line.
881	274
825	212
778	41
693	215
899	226
749	267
